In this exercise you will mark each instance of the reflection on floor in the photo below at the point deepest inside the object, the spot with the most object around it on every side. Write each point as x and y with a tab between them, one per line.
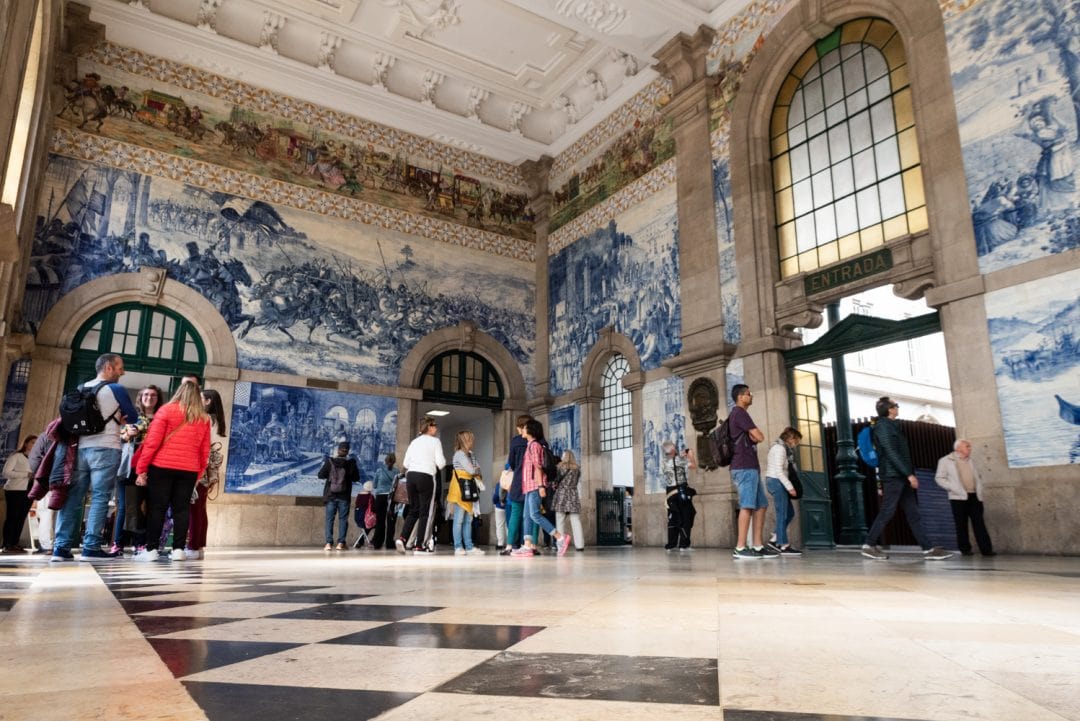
609	634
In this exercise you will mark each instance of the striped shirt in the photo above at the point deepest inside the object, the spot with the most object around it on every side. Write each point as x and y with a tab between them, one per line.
532	474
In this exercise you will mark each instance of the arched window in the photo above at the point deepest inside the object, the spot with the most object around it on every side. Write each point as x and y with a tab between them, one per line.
463	378
845	158
616	411
152	340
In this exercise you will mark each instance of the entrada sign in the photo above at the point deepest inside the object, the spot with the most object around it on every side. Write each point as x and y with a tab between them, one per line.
849	271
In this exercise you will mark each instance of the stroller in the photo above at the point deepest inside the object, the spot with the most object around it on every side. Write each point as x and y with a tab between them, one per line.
364	517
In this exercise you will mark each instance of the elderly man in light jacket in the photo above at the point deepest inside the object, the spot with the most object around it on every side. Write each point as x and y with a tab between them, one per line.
956	473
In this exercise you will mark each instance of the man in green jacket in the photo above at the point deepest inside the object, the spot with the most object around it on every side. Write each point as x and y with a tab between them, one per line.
897	474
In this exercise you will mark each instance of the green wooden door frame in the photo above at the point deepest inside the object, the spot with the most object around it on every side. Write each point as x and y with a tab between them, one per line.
142	343
861	332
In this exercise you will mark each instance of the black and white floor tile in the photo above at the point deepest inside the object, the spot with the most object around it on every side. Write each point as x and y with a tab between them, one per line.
628	635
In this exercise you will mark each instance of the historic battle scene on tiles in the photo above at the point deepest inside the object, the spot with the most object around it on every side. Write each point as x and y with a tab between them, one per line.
1035	335
624	275
300	295
1016	75
281	434
183	122
725	238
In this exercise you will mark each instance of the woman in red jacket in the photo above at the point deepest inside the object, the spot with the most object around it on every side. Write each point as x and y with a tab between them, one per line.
171	459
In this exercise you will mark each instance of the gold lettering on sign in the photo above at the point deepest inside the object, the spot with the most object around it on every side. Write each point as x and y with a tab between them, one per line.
848	271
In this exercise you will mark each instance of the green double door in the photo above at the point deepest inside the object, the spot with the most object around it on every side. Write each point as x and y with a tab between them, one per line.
816	504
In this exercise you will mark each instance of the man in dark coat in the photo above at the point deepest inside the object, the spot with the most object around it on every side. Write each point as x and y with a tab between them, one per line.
896	472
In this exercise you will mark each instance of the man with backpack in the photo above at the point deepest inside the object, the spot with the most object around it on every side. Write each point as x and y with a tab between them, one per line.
340	473
94	412
898	482
746	475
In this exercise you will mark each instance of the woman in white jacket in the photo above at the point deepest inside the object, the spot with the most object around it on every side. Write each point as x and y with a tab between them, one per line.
17	472
781	487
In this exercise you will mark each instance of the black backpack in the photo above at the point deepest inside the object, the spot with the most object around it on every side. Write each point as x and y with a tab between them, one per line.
80	414
722	444
337	477
551	465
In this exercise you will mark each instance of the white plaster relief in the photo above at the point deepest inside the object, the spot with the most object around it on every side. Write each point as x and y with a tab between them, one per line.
477	96
602	16
271	26
328	46
431	81
380	69
207	18
518	111
427	16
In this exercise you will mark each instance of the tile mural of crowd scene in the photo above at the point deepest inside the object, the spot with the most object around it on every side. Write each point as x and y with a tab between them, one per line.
1016	76
663	419
725	238
564	430
280	435
624	275
303	293
1035	337
110	102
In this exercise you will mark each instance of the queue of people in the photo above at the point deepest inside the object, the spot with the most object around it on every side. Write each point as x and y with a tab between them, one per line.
159	462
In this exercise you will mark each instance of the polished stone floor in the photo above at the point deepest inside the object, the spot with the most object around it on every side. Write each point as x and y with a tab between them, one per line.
626	634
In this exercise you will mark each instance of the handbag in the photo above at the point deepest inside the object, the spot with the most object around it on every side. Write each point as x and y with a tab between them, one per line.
213	466
506	479
400	494
793	476
469	490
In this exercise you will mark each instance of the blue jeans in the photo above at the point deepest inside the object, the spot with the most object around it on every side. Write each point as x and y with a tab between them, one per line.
462	528
95	470
339	506
532	513
785	509
121	507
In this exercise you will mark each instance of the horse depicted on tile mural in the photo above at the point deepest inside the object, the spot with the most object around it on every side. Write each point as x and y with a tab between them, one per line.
1016	73
350	312
205	128
280	435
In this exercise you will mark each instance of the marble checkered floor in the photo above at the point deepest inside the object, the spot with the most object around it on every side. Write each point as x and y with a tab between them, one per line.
630	634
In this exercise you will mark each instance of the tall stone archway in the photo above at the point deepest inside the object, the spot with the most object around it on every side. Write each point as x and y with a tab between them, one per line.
940	264
464	336
52	345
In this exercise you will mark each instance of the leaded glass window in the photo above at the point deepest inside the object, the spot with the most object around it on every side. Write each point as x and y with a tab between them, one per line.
845	158
616	411
461	377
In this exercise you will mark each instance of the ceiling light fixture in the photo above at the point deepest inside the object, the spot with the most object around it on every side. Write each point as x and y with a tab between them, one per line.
438	413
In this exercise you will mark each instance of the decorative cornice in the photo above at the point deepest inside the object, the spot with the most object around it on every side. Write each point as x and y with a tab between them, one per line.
97	149
249	96
647	185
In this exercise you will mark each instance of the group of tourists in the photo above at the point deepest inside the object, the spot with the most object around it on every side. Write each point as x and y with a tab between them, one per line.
152	462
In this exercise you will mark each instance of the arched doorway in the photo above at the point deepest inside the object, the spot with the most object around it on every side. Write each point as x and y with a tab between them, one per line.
158	346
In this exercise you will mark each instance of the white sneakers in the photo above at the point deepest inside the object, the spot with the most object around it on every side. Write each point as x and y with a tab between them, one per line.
144	555
193	555
177	555
476	552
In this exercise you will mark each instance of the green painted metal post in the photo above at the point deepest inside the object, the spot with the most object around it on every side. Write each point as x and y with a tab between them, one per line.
848	481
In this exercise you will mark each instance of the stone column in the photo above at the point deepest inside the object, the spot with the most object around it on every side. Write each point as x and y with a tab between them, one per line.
536	174
704	351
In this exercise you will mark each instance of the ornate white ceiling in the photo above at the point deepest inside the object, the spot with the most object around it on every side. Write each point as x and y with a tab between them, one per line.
512	79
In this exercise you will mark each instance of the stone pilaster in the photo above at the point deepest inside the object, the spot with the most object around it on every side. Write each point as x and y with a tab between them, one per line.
536	174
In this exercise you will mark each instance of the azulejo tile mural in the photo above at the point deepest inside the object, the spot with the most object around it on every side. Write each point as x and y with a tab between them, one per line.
663	419
564	430
177	109
280	435
624	275
1035	337
303	293
1016	76
725	238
